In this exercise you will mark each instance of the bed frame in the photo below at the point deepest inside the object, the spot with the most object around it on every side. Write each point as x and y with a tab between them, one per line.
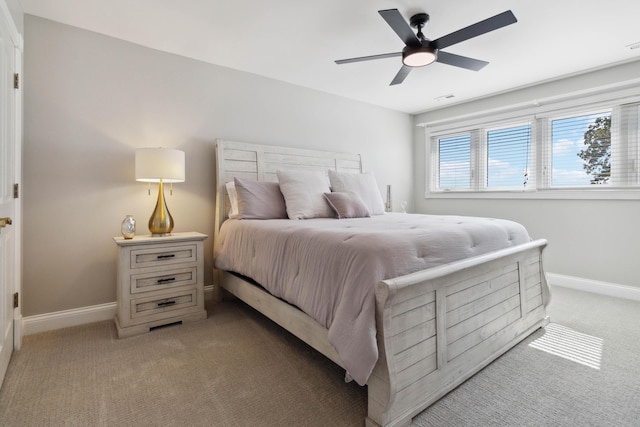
435	328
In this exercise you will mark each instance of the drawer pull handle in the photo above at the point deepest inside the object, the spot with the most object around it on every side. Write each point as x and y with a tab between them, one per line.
168	279
166	256
166	303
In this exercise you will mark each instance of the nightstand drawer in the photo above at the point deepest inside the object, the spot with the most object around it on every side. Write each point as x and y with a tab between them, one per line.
156	280
163	255
149	306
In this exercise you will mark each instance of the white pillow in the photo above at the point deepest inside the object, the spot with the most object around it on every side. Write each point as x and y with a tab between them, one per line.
363	184
233	198
303	193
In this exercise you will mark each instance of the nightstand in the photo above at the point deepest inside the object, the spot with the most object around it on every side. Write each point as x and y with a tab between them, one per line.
160	281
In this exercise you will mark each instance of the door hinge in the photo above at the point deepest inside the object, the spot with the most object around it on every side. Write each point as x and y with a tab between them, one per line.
16	190
16	81
16	300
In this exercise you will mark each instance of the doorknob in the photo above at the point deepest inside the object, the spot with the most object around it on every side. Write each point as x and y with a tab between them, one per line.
5	221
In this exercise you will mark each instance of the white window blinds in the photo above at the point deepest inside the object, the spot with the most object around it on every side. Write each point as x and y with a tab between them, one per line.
454	166
509	157
625	145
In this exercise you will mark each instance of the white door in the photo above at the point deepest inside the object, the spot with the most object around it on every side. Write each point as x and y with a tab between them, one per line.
9	173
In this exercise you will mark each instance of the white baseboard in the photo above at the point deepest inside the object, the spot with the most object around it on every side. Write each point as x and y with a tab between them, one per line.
594	286
67	318
97	313
78	316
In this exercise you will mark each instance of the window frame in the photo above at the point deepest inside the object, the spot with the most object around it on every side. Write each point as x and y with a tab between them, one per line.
539	182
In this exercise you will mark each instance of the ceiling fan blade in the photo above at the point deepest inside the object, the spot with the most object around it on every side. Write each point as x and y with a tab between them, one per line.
369	58
400	26
460	61
402	74
495	22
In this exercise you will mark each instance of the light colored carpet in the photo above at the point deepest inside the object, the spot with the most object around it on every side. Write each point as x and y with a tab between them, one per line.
232	369
238	369
583	370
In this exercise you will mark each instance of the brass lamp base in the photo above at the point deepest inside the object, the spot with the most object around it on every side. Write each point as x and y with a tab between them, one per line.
161	222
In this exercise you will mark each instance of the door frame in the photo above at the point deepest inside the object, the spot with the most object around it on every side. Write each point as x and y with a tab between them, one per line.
17	312
18	43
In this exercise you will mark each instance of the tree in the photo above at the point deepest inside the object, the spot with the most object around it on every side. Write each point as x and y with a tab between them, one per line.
597	153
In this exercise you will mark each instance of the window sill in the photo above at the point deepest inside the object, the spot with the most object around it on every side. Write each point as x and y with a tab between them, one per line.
555	193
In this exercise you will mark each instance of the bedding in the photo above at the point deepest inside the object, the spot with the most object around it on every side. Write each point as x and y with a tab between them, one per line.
329	267
364	184
303	192
233	199
347	205
259	200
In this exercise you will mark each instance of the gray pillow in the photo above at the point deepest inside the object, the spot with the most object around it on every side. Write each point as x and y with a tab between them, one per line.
363	184
259	200
347	205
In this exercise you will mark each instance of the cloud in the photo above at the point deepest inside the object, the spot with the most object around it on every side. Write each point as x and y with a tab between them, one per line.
564	147
563	177
504	174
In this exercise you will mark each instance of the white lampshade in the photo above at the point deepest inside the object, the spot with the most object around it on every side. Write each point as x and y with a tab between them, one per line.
155	164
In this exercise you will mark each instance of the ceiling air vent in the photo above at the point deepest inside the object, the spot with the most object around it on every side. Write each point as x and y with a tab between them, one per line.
443	97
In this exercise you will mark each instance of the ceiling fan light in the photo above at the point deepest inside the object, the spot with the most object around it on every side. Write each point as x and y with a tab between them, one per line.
419	57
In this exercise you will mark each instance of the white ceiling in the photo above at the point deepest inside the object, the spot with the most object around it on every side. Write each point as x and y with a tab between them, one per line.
297	41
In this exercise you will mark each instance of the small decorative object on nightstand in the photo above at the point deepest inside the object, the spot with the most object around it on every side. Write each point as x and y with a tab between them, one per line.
128	227
160	281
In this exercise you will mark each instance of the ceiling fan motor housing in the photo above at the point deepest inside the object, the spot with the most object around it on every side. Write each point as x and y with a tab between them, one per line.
419	20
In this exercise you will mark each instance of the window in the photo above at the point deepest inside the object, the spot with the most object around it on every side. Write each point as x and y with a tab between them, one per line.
455	162
580	152
508	157
484	159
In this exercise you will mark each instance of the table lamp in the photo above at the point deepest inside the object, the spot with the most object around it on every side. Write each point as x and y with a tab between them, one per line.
160	165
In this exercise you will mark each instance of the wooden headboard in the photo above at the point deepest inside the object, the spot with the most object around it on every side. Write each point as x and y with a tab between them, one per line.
260	162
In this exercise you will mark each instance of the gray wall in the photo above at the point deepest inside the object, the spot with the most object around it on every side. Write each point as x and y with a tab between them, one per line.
591	239
91	100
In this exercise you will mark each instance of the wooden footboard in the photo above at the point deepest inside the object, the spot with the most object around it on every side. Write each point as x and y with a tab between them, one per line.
438	327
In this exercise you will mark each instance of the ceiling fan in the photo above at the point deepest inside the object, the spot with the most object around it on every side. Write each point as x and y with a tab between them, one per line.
420	51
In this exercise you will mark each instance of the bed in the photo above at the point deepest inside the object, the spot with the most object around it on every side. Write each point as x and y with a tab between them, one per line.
432	328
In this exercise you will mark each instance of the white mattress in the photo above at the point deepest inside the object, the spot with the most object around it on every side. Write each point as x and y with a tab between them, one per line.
329	267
